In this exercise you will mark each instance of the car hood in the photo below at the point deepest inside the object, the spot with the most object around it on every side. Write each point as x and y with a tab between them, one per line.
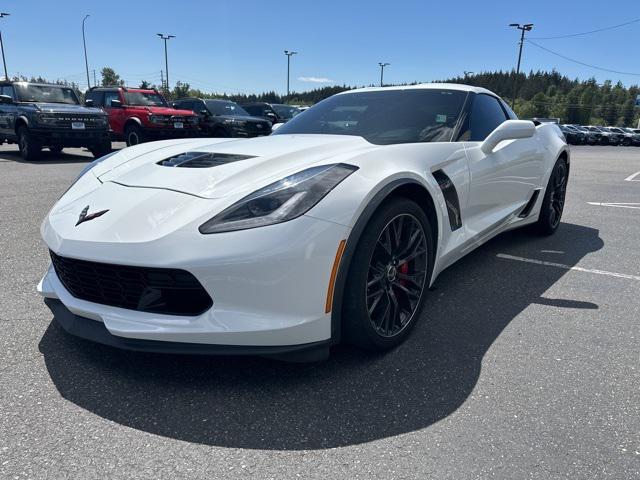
66	108
163	110
266	159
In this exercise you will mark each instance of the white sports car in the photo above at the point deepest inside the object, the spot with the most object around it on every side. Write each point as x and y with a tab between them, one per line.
333	228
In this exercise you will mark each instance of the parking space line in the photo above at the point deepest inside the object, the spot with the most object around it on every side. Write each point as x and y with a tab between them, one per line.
616	205
631	178
568	267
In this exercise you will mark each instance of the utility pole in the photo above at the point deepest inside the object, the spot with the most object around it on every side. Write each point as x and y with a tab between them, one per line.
84	43
161	79
289	54
94	77
382	65
4	62
166	59
523	28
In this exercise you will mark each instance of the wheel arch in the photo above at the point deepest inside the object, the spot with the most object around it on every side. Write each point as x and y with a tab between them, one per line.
403	187
132	121
21	121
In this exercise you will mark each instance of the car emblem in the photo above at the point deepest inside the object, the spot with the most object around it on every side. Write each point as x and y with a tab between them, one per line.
85	216
259	126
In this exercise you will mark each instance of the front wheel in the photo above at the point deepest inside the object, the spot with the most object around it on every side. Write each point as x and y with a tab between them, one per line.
133	135
101	149
553	201
388	276
29	148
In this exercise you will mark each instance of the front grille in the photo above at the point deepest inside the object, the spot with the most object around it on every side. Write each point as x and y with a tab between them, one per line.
90	122
156	290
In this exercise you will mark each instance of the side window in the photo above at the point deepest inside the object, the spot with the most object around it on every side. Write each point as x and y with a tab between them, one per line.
197	106
97	98
251	109
8	90
486	115
108	96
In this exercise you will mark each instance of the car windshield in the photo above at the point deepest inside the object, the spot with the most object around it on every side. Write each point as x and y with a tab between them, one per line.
617	130
145	99
46	94
216	107
286	112
384	117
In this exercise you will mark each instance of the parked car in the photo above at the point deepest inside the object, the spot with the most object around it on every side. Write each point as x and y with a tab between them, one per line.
222	118
138	115
608	138
274	112
290	243
635	134
627	138
592	137
37	116
573	136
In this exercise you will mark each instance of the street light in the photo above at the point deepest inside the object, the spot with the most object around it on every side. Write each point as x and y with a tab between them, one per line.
6	76
382	65
166	60
84	42
289	54
524	28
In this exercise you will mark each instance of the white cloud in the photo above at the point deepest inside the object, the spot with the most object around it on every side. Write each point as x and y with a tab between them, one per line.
315	79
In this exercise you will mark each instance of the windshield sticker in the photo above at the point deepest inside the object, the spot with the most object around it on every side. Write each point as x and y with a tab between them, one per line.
441	118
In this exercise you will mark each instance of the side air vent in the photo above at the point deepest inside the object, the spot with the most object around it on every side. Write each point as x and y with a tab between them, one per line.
450	198
202	159
529	206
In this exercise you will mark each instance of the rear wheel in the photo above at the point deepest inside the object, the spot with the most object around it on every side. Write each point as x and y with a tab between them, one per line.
554	196
133	135
388	276
30	149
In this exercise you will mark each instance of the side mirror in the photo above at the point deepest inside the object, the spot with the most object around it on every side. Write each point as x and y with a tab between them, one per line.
115	104
6	99
508	130
88	102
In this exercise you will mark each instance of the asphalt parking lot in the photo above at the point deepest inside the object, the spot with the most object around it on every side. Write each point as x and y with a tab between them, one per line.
525	365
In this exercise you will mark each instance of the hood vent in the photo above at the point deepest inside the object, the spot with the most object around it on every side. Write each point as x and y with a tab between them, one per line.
202	159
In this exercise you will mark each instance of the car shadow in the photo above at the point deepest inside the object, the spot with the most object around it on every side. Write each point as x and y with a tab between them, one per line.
353	397
48	158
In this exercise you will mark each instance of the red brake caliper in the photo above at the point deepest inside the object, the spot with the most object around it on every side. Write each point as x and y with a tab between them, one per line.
404	269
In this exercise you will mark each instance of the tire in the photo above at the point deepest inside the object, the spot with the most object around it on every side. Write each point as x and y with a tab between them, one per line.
133	135
553	201
101	149
56	149
378	313
29	148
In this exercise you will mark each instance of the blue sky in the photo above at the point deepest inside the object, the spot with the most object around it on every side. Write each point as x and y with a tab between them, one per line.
237	46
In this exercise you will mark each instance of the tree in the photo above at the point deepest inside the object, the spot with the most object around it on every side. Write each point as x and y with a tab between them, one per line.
110	78
144	84
181	90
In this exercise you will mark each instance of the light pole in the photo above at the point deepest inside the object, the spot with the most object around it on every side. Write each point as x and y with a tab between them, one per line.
523	28
6	76
289	54
166	59
382	65
84	43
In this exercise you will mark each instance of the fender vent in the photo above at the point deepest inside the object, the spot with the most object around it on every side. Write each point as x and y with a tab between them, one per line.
202	159
450	198
529	206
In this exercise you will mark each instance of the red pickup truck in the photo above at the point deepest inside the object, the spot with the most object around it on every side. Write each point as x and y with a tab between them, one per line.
139	115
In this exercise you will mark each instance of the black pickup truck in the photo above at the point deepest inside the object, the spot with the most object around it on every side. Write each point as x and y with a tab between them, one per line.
36	116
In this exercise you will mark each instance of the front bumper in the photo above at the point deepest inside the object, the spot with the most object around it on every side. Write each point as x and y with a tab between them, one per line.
269	285
70	138
96	332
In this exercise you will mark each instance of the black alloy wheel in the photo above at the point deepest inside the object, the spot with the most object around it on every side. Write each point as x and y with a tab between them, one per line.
554	198
397	273
388	276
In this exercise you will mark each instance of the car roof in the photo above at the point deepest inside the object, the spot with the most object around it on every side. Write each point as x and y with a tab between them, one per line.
11	82
424	86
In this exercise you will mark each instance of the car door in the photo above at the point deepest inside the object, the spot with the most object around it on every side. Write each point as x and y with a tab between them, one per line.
116	114
503	181
8	113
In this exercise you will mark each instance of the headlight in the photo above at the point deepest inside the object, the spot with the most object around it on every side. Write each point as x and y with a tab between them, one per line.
46	118
157	118
280	201
233	121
